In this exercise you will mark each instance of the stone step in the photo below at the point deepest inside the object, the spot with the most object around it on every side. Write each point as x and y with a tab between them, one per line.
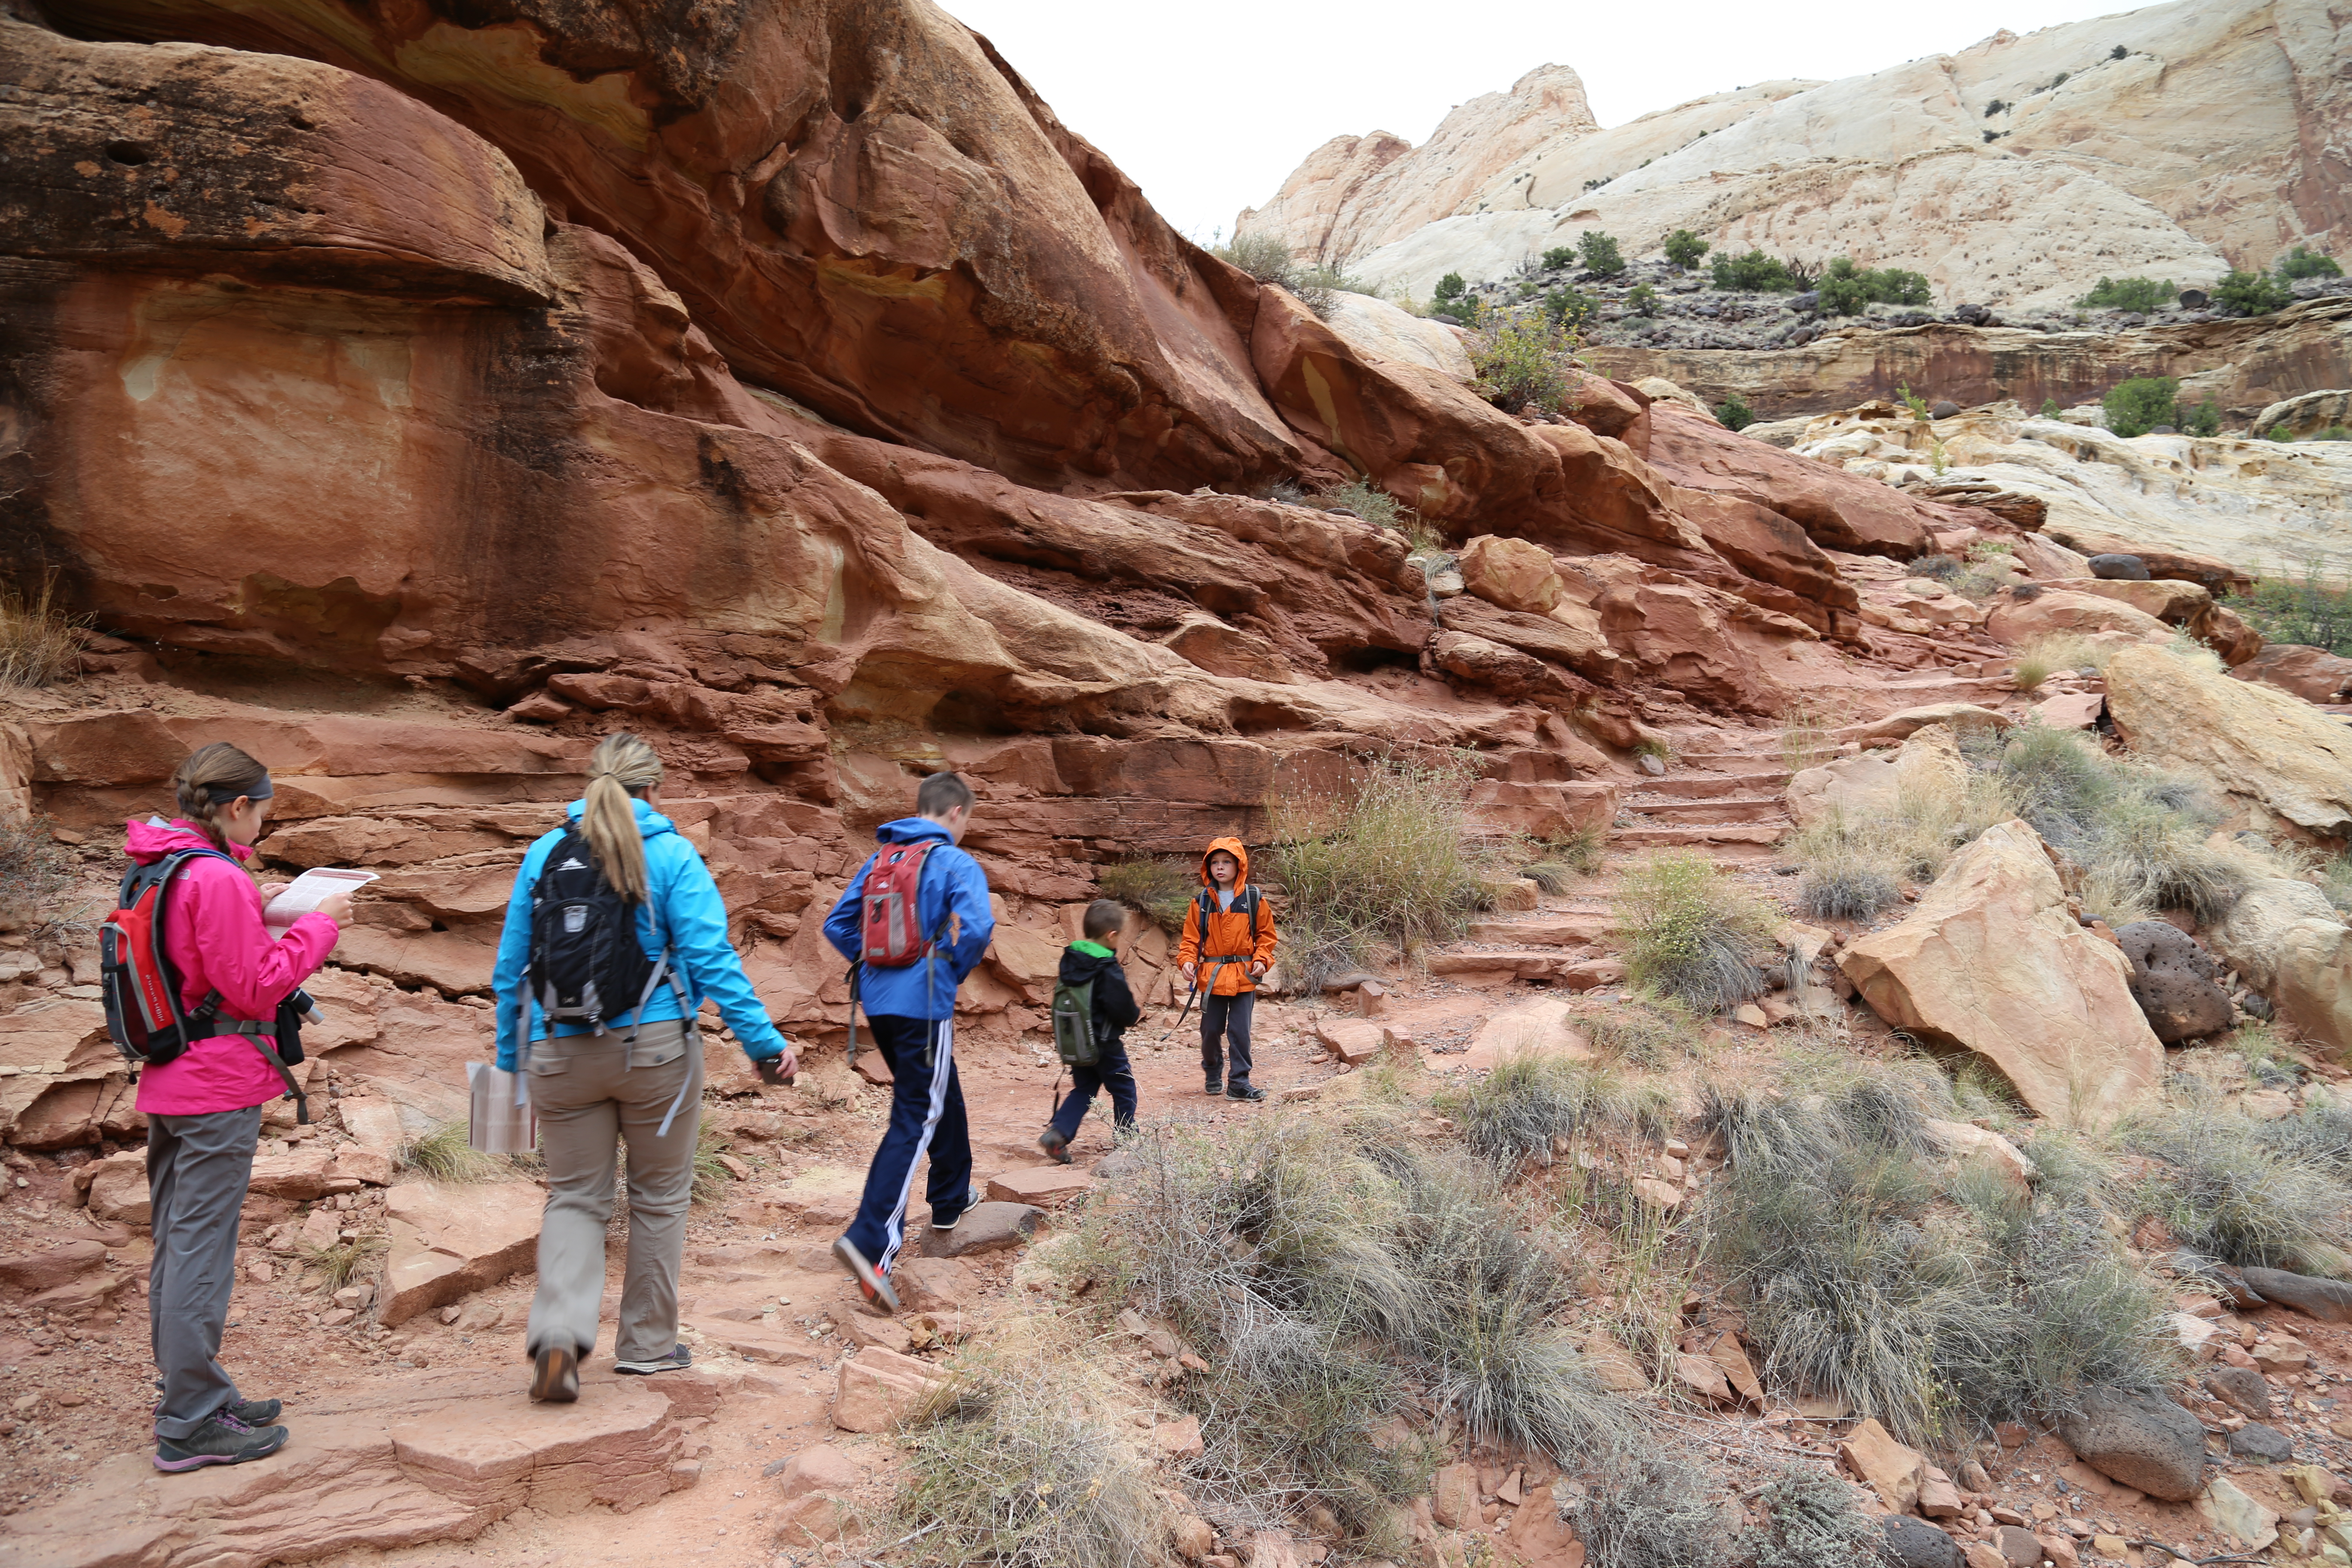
1731	762
1715	786
1672	835
1727	808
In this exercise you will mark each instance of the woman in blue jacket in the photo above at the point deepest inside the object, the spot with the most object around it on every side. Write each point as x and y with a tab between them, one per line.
635	1077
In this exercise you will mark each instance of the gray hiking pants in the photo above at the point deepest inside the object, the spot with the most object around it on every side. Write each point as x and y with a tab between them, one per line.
592	1094
197	1169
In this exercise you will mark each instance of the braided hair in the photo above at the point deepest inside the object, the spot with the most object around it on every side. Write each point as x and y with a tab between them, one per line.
214	776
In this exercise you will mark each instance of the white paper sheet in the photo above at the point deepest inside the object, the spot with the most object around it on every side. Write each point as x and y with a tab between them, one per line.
307	891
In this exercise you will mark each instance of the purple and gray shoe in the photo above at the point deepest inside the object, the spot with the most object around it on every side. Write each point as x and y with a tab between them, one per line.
222	1440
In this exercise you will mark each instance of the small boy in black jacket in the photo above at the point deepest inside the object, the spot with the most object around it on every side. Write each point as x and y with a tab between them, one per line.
1115	1010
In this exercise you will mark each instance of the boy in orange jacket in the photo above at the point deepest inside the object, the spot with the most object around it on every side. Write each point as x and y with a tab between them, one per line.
1228	942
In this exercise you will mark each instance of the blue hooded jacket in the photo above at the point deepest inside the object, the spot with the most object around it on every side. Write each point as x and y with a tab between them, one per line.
687	903
952	882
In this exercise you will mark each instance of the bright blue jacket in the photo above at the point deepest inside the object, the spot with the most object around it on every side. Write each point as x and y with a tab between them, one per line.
690	912
952	882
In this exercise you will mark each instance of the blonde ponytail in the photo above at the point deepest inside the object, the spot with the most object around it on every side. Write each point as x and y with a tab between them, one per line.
214	776
620	764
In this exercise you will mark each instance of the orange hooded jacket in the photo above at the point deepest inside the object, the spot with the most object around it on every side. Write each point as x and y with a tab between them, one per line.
1229	932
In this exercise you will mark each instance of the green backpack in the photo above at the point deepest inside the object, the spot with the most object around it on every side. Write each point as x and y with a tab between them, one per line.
1074	1025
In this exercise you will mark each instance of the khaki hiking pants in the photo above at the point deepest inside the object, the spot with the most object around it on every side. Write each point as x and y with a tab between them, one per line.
591	1101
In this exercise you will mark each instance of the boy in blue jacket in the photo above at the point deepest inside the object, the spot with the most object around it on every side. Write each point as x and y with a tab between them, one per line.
911	1013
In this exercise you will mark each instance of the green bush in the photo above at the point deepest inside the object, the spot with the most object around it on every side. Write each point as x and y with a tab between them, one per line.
1994	107
1754	273
1378	860
1599	253
2134	407
2050	409
1641	299
1267	259
1568	307
2251	294
1846	289
1734	411
1697	936
2305	262
2205	419
1450	286
2305	609
1524	364
2146	295
1464	309
1364	498
1684	249
1558	256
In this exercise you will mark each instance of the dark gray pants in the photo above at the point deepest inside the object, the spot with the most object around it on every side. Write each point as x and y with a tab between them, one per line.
197	1168
1229	1017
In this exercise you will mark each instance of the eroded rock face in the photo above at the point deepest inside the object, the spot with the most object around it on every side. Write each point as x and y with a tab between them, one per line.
2313	674
1989	961
450	1241
2247	741
2290	944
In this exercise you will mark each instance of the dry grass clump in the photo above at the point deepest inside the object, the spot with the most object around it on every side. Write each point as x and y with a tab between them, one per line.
2270	1196
710	1176
1936	1304
1650	1032
1696	934
1512	1115
1160	889
1806	741
1331	1270
35	873
444	1154
1563	861
1007	1465
345	1261
39	643
1382	861
1846	887
2042	657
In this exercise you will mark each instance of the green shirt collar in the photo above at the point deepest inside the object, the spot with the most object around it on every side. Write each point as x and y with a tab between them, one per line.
1093	948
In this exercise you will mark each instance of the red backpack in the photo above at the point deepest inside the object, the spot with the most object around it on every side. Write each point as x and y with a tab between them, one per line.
888	933
141	990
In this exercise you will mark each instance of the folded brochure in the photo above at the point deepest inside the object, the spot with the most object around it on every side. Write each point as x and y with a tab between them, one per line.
307	892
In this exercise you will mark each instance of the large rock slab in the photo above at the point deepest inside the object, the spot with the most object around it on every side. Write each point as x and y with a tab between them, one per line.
449	1240
1529	1030
2311	673
2023	618
422	1459
2249	743
1989	961
2143	1440
2329	1300
2289	942
2172	981
1872	783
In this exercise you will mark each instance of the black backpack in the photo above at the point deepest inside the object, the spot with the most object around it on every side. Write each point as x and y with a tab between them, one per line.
586	964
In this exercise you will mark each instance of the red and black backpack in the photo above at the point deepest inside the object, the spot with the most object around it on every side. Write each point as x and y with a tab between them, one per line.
142	989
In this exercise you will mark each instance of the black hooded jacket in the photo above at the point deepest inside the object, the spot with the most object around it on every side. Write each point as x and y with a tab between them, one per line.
1115	1008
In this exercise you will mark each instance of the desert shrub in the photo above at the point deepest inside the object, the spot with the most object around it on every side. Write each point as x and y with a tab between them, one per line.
343	1262
2222	1190
2251	294
1753	273
1568	307
1326	1263
2134	407
1941	567
1803	274
1160	889
1380	860
2331	433
1938	1304
1562	861
1318	286
39	643
2318	1137
1004	1467
1558	257
1847	289
1364	498
2146	295
1450	286
1734	411
1684	249
2118	52
1846	888
1809	1520
1695	933
2305	608
37	873
1265	257
1512	1114
1806	738
2305	262
1656	1510
2030	670
1649	1033
444	1155
1993	107
1522	363
2050	409
2205	419
710	1176
1641	299
1599	253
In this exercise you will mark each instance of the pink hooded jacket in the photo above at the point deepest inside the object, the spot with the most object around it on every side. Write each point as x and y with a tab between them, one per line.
214	936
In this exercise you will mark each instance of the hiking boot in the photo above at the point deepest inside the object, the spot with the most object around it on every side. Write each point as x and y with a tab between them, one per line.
220	1440
252	1412
555	1376
1216	1084
679	1360
1056	1147
1241	1088
870	1279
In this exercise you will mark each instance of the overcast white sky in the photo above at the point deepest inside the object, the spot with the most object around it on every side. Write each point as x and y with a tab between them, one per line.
1209	104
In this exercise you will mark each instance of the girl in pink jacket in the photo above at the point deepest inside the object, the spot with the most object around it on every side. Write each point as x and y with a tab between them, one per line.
204	1107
